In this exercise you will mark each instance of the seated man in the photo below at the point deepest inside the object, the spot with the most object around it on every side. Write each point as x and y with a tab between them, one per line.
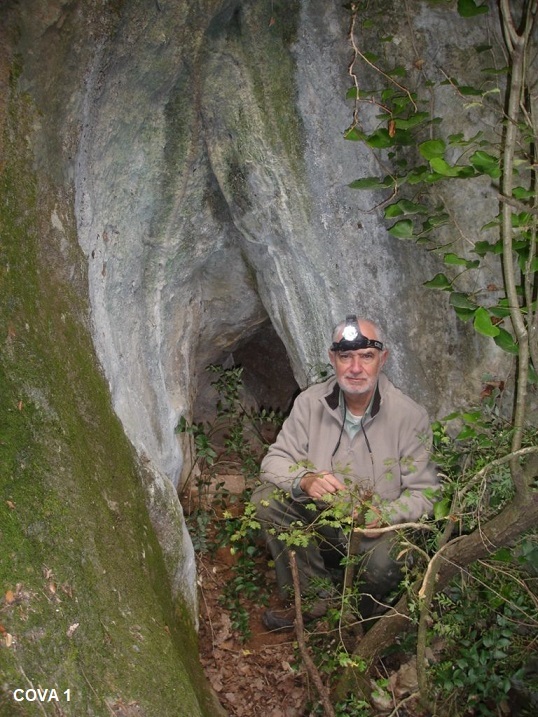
353	435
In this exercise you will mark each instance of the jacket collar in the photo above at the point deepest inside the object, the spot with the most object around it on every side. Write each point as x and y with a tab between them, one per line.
333	399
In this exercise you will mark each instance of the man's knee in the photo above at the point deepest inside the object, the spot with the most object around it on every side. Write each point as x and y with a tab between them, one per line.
380	567
264	498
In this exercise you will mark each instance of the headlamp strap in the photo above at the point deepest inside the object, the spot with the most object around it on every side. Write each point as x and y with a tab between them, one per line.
352	338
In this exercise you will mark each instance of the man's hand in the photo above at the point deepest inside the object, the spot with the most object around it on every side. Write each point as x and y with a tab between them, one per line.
316	485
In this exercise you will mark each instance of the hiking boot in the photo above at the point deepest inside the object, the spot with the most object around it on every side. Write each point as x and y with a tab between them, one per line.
284	619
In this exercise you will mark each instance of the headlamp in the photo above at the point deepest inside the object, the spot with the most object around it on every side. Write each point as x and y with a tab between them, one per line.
352	338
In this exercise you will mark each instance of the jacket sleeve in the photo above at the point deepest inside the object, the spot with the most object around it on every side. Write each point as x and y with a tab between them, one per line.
419	482
290	448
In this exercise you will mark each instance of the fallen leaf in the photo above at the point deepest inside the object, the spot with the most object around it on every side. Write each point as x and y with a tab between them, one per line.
8	639
67	589
20	405
10	504
71	630
9	597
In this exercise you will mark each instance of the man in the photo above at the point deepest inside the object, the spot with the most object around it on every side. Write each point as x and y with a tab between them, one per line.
357	437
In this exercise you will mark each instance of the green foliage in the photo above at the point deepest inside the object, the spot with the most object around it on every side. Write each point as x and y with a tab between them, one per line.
481	626
233	441
470	447
486	623
406	136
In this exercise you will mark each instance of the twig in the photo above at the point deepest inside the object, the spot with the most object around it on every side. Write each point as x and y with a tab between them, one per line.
305	655
516	204
508	458
23	673
109	708
431	570
373	532
401	703
358	53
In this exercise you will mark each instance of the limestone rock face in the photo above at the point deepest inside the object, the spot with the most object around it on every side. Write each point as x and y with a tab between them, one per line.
211	198
197	149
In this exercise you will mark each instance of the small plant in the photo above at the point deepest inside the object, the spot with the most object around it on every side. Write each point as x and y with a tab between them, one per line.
234	441
487	624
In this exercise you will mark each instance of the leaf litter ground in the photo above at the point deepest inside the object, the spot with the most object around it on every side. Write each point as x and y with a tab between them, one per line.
261	675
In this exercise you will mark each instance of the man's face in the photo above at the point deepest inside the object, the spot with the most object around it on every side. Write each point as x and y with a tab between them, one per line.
357	371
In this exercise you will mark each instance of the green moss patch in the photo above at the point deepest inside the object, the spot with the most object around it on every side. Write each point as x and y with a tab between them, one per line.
85	603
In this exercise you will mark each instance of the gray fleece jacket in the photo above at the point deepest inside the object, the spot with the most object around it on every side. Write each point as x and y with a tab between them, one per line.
390	456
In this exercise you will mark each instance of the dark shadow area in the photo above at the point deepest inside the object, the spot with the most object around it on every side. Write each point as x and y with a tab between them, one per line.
267	374
268	379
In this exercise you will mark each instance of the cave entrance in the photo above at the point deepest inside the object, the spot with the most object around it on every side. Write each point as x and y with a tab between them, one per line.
268	380
267	383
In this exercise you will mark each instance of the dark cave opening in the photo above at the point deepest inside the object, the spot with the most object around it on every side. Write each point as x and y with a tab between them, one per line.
268	380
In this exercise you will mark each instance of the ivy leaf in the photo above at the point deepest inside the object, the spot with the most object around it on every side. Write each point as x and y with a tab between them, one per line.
486	163
380	139
460	300
469	91
404	137
505	341
398	71
499	311
373	183
521	193
417	175
438	220
465	433
521	220
439	281
496	71
411	121
441	509
464	314
482	323
455	260
432	148
402	229
354	134
404	206
483	247
457	140
503	555
441	166
468	8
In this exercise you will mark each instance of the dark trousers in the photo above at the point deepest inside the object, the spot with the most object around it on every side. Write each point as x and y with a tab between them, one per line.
378	572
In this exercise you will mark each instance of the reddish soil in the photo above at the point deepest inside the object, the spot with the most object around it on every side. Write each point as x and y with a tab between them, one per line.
256	677
262	675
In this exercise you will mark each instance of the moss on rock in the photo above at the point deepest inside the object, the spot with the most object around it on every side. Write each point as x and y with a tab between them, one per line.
86	607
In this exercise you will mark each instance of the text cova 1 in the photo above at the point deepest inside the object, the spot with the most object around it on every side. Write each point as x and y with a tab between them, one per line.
40	695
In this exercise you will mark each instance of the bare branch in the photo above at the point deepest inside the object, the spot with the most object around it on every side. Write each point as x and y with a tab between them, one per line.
305	655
